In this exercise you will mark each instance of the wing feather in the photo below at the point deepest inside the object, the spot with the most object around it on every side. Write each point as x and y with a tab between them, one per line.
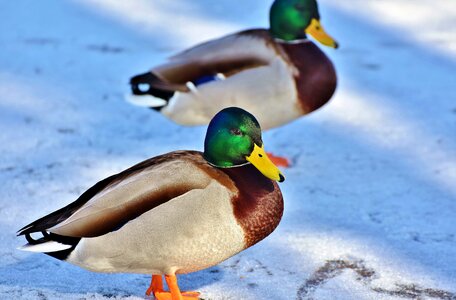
116	200
227	55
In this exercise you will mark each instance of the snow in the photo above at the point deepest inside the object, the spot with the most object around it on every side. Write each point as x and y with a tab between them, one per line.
370	201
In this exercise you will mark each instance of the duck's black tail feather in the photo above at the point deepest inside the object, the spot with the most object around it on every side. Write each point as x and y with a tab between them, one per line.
52	244
150	84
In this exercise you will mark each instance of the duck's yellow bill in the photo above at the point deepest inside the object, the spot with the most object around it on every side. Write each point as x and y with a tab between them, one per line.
317	32
261	161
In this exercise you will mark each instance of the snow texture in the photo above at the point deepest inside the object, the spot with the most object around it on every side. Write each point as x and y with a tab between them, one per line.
370	201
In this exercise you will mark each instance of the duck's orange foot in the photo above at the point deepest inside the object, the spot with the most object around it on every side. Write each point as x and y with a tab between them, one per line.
279	161
184	296
156	285
156	288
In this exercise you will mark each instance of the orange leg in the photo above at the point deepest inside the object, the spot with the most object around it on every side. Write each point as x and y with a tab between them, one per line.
174	291
279	161
156	285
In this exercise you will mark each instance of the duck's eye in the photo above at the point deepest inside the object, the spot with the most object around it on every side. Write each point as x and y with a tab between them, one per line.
300	6
236	131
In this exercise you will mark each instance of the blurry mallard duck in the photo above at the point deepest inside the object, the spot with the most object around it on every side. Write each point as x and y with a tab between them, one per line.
175	213
277	74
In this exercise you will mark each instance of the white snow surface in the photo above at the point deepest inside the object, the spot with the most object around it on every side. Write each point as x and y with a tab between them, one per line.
370	202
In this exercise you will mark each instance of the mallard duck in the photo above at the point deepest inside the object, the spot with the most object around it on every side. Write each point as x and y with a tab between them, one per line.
277	74
176	213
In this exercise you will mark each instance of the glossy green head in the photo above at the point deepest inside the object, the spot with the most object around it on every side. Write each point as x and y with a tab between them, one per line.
233	139
293	19
230	137
290	18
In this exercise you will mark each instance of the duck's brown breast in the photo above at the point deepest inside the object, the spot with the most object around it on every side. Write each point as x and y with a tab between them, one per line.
258	204
315	79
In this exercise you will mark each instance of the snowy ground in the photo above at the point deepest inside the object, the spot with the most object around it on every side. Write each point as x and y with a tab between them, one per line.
370	202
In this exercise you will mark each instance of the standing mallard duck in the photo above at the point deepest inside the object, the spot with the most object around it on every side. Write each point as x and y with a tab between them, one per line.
175	213
277	74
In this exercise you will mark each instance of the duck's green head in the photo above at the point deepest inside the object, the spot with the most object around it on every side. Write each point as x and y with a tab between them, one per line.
233	139
293	19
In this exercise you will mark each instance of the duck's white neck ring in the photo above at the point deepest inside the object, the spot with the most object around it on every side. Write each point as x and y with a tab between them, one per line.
292	42
227	167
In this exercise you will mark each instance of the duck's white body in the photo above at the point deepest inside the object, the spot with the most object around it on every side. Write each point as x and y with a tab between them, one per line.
198	106
165	240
